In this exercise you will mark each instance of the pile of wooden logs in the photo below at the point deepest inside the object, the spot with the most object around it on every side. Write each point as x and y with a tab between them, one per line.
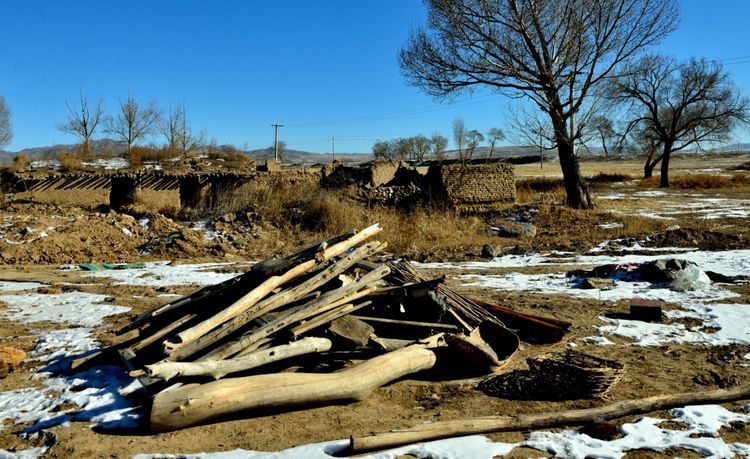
273	336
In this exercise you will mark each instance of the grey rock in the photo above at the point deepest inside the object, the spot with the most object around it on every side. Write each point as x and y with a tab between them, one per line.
492	250
598	283
514	229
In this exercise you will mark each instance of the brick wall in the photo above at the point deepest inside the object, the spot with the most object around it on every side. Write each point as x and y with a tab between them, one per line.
478	188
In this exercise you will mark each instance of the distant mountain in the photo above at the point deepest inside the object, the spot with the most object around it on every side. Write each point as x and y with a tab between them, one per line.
103	147
306	157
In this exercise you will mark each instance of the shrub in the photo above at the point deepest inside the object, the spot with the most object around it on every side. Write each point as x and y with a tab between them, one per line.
604	177
69	161
20	162
139	154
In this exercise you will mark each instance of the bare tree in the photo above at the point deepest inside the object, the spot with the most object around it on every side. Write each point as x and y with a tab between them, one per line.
179	134
678	105
494	135
473	139
610	134
6	130
420	147
84	120
438	144
553	52
459	136
133	122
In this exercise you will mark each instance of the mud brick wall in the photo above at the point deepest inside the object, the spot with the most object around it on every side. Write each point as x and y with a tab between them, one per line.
479	188
372	174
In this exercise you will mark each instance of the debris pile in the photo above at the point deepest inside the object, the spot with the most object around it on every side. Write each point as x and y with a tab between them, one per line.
340	304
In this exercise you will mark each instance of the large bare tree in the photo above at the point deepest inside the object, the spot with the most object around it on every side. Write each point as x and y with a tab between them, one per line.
176	129
678	105
6	130
84	120
133	121
553	52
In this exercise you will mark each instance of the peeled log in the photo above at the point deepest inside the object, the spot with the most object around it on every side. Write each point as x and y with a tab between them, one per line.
198	403
218	369
489	424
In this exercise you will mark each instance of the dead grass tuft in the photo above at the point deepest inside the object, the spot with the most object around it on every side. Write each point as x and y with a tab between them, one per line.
69	161
20	162
605	177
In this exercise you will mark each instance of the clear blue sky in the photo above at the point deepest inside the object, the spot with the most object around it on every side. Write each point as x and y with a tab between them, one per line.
242	65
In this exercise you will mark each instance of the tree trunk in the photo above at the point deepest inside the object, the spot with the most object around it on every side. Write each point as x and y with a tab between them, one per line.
576	189
198	403
664	181
651	163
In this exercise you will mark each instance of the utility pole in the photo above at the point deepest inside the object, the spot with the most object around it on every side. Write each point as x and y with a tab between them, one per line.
541	151
333	149
276	140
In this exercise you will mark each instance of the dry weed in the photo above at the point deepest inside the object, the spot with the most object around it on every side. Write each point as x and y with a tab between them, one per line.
69	161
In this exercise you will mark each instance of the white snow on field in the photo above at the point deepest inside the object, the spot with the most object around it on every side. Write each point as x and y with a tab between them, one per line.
729	262
701	434
163	274
696	204
11	286
720	323
76	308
107	163
95	393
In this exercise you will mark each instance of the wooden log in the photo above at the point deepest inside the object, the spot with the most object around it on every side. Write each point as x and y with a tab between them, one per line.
267	286
219	369
409	323
199	403
489	424
239	306
254	276
329	316
325	302
281	323
274	302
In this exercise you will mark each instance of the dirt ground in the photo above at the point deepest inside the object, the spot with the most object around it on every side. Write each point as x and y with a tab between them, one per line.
76	234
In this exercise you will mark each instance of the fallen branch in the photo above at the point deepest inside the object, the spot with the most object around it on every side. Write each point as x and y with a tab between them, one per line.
219	369
489	424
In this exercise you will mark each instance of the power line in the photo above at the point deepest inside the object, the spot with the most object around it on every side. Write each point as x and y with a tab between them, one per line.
398	114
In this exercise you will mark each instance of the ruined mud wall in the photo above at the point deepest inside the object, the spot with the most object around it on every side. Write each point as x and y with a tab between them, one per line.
479	188
372	174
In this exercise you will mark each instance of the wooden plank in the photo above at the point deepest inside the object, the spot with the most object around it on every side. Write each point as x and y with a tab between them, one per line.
352	329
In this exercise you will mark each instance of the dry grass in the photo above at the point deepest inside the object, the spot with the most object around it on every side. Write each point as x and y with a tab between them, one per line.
20	162
69	161
540	189
166	202
138	155
701	181
606	177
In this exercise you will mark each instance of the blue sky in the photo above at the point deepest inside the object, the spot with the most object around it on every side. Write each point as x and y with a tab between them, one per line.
242	65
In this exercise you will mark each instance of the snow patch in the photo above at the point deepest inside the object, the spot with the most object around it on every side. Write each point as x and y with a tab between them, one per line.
162	274
77	308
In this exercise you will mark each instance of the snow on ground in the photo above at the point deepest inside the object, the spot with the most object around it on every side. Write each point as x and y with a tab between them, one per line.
94	394
107	163
729	262
76	308
10	286
699	205
162	273
701	434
